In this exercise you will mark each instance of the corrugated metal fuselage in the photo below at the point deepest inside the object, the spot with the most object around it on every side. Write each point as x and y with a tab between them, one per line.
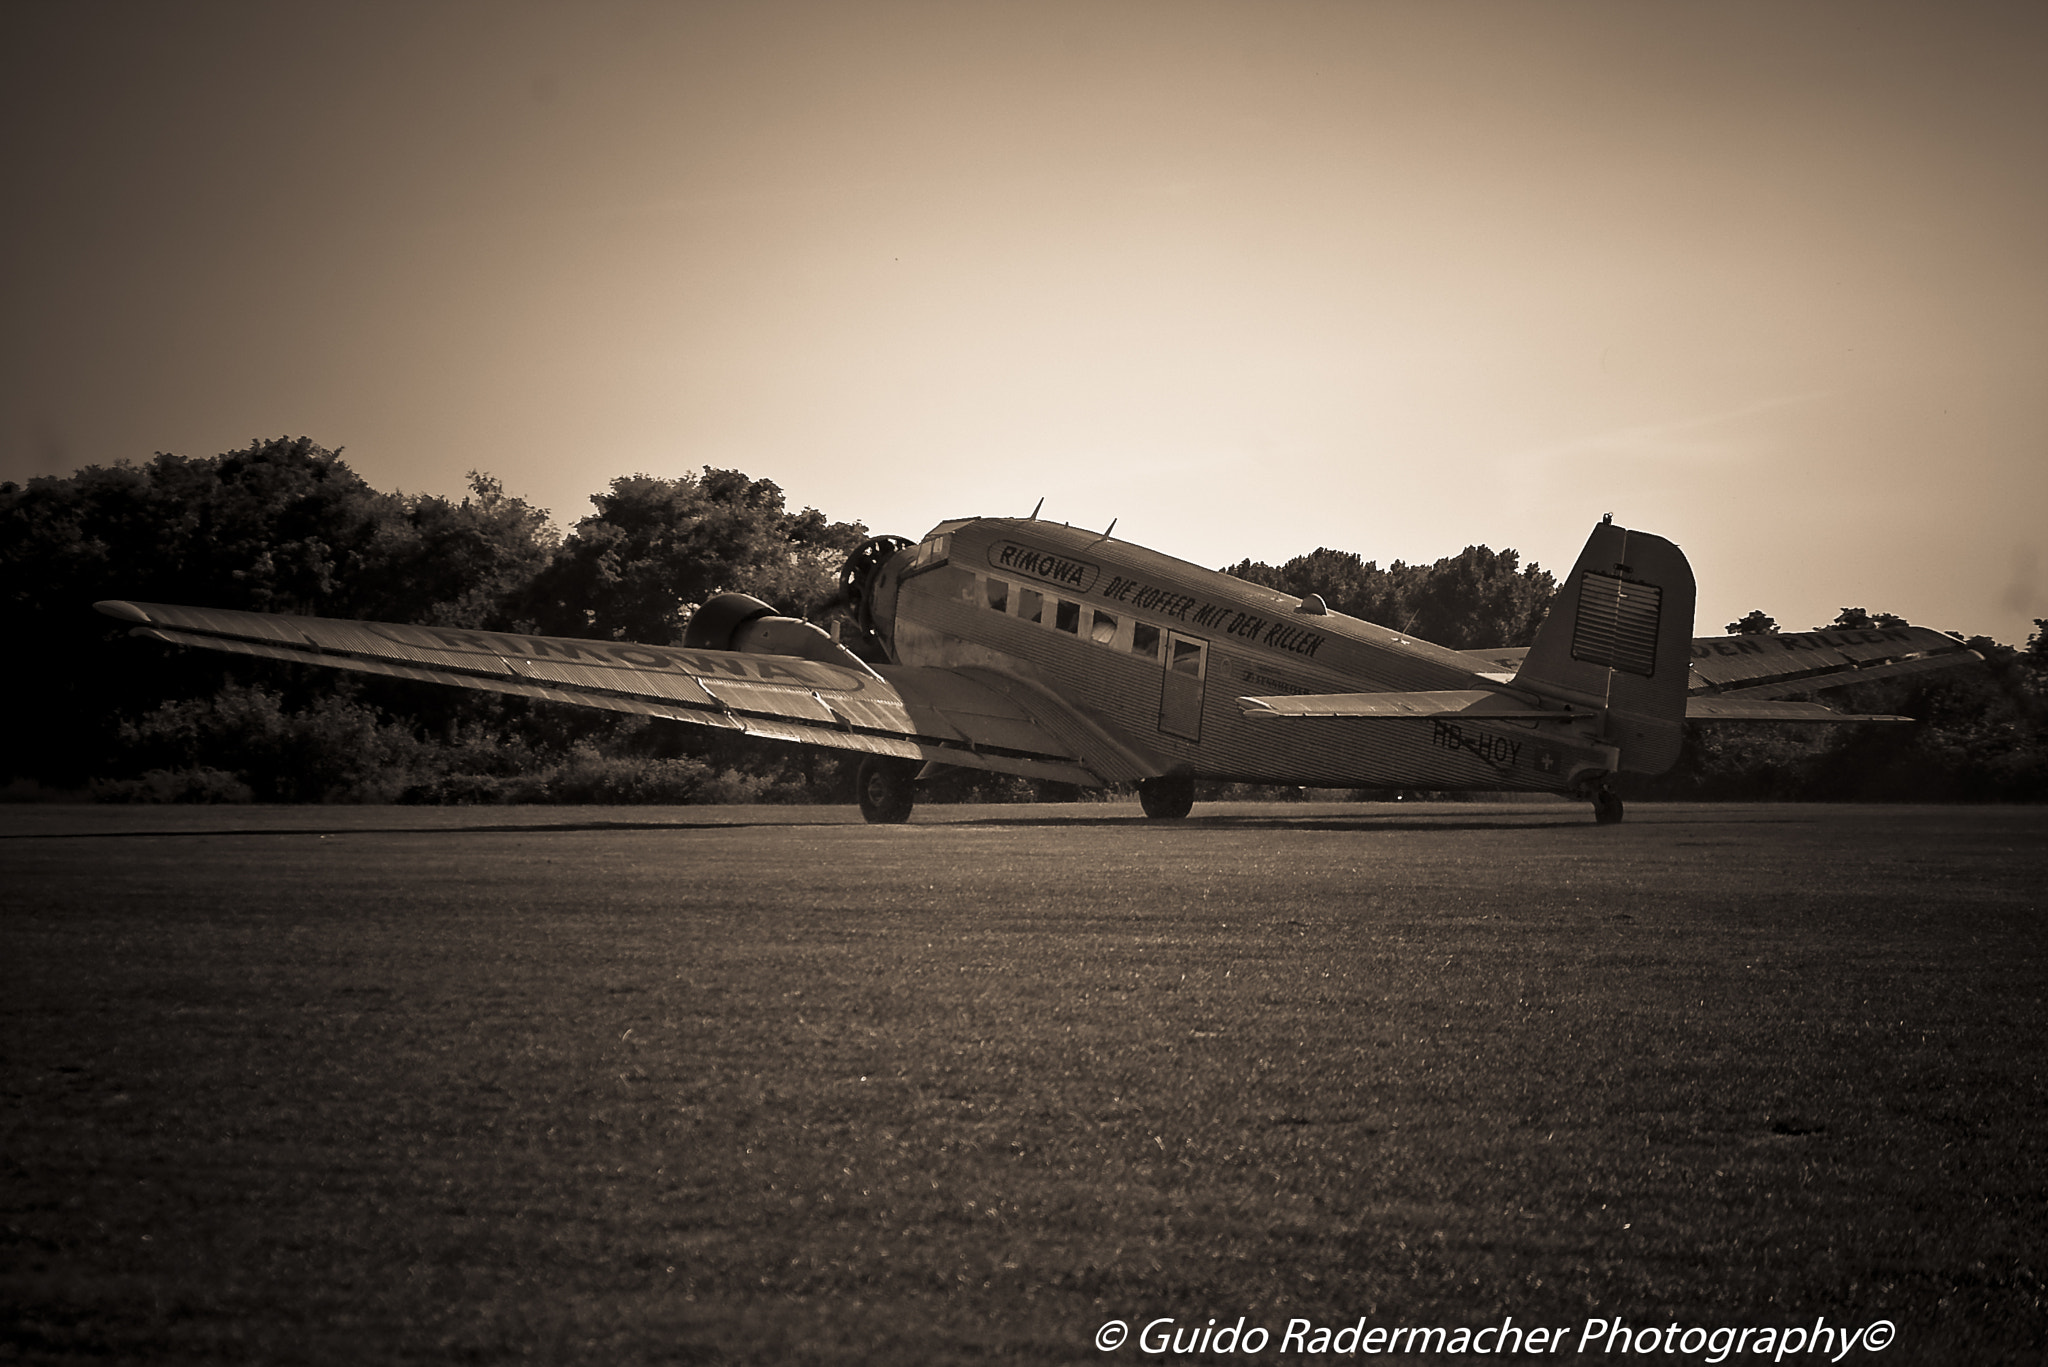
1158	651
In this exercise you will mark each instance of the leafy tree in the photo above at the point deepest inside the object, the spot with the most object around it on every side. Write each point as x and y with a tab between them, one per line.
656	547
1474	599
465	564
282	525
1855	619
1755	624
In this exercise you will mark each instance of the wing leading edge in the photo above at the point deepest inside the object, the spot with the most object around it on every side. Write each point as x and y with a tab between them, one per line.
937	715
1476	704
1481	705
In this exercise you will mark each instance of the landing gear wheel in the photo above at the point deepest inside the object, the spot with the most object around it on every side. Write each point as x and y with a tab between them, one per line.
883	787
1606	806
1167	799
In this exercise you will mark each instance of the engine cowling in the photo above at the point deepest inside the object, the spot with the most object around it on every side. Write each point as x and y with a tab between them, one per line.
860	579
741	622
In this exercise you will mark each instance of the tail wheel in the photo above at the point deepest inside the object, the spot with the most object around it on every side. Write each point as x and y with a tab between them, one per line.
1606	806
857	575
884	790
1168	798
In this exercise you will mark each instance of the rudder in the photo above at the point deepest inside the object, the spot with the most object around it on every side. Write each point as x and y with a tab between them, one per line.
1619	638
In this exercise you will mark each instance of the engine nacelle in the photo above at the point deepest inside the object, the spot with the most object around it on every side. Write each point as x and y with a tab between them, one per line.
743	623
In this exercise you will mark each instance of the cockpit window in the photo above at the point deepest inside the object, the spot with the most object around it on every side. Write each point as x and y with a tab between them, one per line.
933	552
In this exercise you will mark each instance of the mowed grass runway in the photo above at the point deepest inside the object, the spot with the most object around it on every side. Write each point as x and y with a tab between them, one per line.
769	1085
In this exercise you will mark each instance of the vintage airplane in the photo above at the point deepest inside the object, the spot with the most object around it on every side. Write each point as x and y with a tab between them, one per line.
1035	648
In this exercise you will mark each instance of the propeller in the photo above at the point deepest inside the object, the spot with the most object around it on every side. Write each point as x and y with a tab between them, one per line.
857	577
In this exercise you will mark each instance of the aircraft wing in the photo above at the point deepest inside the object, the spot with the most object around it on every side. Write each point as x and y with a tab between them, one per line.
1778	664
1477	704
1747	709
1473	704
939	715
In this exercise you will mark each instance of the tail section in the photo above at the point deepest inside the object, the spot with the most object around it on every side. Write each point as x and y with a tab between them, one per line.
1619	638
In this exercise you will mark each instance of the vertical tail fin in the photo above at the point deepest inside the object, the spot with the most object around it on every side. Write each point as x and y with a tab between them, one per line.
1619	637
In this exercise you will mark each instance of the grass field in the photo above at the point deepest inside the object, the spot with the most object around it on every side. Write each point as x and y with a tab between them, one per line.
767	1085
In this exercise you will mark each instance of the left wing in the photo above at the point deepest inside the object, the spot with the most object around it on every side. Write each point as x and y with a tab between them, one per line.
939	715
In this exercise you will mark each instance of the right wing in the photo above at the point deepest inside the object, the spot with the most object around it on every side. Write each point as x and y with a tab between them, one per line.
1743	709
1782	663
1777	664
939	715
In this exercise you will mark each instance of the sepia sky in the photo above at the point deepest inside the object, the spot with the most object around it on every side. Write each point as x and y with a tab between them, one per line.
1768	279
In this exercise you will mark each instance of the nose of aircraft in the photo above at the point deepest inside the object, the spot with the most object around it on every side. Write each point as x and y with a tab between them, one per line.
857	578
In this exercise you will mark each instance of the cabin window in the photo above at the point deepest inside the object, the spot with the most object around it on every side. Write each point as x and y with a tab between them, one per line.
1145	640
1103	632
1031	605
996	593
955	583
1067	616
1187	658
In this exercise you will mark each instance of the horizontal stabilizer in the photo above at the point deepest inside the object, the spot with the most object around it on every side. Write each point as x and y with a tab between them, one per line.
1748	709
1478	704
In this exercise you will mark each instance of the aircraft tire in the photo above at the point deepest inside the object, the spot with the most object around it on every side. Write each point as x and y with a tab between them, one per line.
1606	806
884	789
1167	799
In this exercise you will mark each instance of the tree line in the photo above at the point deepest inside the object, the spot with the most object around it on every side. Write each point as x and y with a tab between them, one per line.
286	526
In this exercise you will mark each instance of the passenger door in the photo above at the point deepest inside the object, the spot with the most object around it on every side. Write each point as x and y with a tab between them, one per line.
1180	697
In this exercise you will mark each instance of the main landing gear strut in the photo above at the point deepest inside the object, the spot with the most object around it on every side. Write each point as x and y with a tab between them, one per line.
1597	788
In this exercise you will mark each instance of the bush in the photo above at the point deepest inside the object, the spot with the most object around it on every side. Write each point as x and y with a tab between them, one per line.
194	783
333	749
463	790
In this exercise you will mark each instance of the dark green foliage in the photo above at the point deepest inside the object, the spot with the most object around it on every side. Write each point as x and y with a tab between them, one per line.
331	749
464	564
634	569
1757	623
282	526
1856	619
1469	601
